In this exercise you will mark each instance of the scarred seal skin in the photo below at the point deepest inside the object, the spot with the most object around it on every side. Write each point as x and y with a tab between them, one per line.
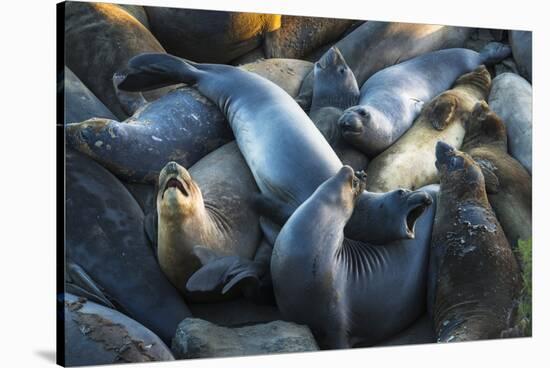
105	237
339	287
474	279
392	98
511	98
99	40
508	184
334	90
209	206
374	46
95	334
409	162
286	153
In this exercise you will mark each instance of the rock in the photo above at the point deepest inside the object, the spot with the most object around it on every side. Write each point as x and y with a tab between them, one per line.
196	338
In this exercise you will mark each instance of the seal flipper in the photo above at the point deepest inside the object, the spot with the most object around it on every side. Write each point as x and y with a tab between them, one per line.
494	52
212	275
80	283
273	209
491	180
440	113
130	101
155	70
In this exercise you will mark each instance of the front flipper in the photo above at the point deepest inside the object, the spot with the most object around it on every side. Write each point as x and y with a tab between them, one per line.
130	101
78	282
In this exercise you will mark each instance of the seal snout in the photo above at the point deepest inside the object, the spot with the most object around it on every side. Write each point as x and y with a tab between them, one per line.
351	121
417	203
443	152
174	179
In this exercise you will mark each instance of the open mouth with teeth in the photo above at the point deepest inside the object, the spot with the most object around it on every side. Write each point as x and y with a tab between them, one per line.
176	183
418	203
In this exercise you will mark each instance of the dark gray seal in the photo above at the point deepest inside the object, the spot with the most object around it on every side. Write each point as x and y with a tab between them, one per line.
99	40
334	90
285	152
522	46
511	98
106	239
374	46
508	184
209	35
80	103
95	334
474	279
392	98
339	287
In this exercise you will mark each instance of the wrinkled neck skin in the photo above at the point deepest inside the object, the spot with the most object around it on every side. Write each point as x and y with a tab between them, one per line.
337	99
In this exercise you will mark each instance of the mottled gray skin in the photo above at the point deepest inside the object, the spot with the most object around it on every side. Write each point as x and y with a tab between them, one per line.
181	126
211	207
511	98
286	153
80	103
346	291
298	35
508	184
474	280
374	46
105	236
334	90
392	98
522	45
209	35
95	335
99	40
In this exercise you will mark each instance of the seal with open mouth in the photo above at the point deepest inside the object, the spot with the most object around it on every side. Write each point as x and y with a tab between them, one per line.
474	279
215	212
339	287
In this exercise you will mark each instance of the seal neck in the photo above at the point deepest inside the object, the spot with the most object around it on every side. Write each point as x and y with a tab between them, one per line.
340	101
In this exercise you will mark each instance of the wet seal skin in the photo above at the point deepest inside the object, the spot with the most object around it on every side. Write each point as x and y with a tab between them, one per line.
287	155
393	98
95	334
334	90
474	279
209	207
508	184
338	286
374	46
409	162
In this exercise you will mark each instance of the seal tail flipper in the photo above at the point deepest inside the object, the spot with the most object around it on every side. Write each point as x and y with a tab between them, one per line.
78	282
155	70
494	52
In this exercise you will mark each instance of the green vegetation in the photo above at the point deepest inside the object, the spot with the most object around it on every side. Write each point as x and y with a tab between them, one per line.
525	307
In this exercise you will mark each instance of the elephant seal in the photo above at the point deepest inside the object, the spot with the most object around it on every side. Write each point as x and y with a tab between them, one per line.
299	35
209	35
97	335
181	126
374	46
105	237
511	98
392	98
474	279
339	287
522	45
334	90
99	40
409	162
508	184
287	155
210	205
80	103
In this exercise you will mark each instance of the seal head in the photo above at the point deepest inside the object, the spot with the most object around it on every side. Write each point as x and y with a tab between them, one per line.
356	121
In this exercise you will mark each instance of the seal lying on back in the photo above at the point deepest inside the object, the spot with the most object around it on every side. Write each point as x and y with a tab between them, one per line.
286	153
409	162
339	287
508	183
98	335
474	278
511	98
105	238
392	98
374	46
210	205
334	90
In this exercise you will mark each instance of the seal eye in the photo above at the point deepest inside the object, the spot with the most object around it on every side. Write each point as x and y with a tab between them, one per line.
341	70
362	112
